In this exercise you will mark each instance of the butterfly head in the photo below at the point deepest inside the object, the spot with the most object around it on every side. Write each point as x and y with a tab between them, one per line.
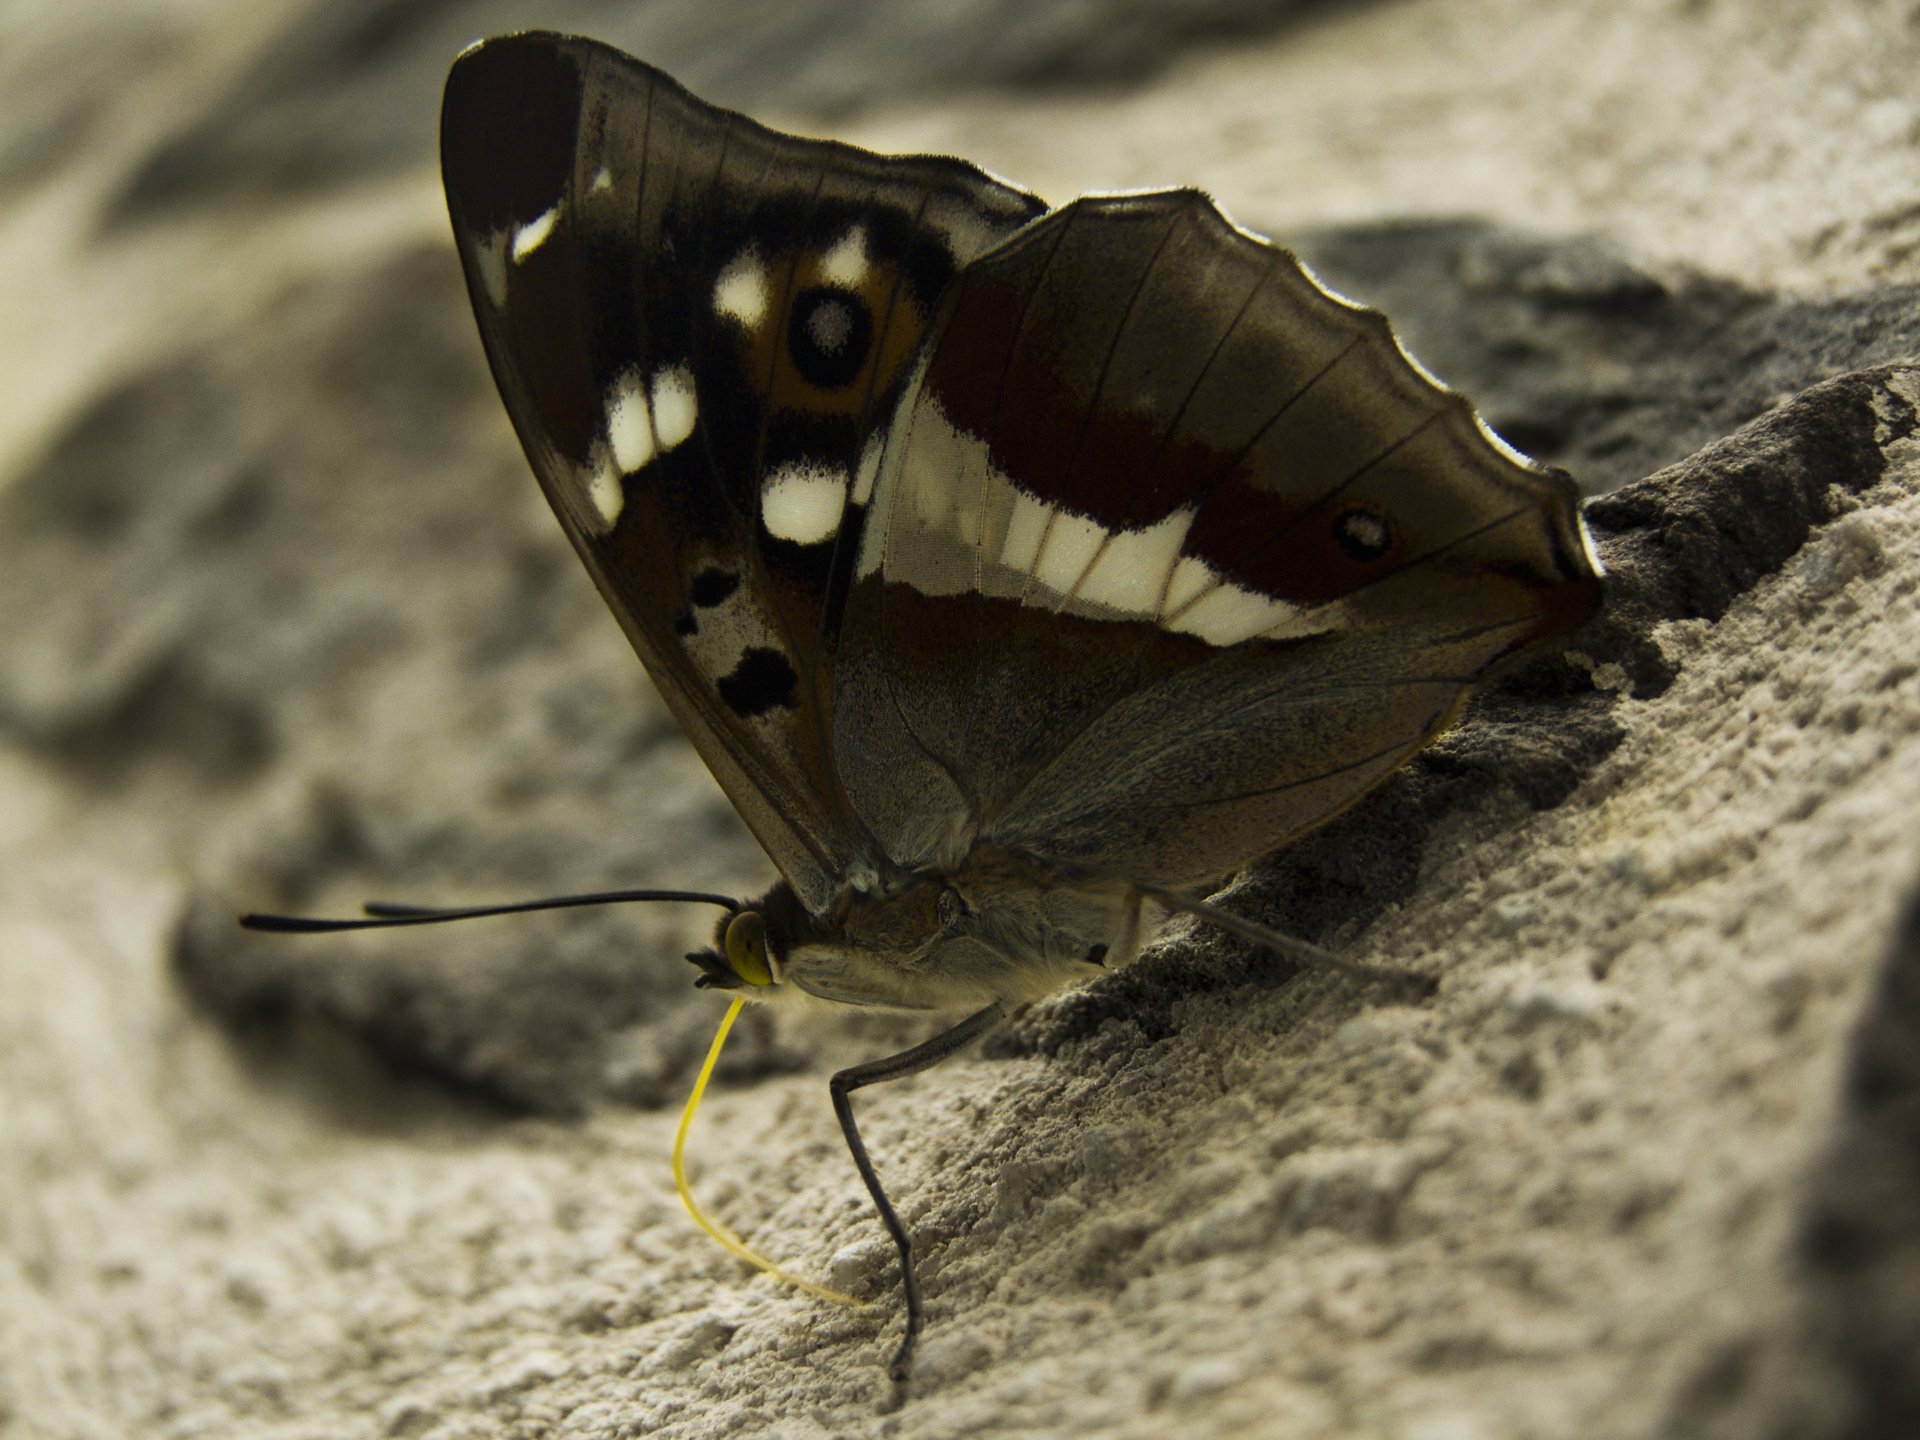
742	957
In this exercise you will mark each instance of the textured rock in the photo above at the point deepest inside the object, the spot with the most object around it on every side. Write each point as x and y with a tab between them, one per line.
287	625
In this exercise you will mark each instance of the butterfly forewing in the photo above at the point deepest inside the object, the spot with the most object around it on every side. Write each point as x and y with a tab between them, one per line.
1173	554
700	327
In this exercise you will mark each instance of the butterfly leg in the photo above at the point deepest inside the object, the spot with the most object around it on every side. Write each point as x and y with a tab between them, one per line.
894	1067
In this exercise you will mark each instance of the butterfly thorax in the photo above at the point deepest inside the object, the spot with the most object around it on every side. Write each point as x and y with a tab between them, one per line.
999	927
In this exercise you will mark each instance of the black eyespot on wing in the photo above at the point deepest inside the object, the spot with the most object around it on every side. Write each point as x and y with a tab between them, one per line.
1363	534
829	335
711	586
763	680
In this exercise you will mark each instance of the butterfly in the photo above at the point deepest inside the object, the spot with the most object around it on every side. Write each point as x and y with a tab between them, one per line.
1020	573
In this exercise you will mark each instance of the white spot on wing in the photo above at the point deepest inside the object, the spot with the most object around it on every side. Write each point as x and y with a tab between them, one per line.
802	502
965	231
629	427
532	235
845	264
607	492
740	293
675	408
602	179
830	327
490	260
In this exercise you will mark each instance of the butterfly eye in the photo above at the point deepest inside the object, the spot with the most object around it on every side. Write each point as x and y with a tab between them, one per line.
1363	534
746	944
949	907
829	335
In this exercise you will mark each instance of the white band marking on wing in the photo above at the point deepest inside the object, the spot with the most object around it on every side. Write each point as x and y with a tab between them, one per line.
946	521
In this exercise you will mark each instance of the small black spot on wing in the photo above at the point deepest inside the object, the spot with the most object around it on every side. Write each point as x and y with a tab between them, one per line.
713	585
710	587
763	680
1363	534
829	335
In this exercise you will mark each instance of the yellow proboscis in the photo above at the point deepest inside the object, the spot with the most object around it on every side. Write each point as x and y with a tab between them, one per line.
726	1238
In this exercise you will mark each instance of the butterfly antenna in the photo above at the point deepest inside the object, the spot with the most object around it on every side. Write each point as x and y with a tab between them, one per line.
1416	985
385	915
727	1240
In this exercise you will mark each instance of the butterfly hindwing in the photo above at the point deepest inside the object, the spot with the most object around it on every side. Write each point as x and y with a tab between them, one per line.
700	327
1173	554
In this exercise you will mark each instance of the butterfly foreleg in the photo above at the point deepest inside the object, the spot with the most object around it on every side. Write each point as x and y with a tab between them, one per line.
894	1067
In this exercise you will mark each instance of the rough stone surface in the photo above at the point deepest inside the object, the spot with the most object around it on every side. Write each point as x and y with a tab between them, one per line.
287	625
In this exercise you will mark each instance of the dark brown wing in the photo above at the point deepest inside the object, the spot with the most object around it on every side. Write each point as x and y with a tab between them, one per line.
700	327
